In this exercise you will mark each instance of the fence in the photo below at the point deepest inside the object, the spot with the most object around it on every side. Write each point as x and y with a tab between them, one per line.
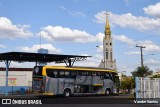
147	87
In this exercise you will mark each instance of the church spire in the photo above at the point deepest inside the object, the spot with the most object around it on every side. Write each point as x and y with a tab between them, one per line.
107	27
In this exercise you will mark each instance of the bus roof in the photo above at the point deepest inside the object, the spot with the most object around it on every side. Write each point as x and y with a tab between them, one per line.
80	68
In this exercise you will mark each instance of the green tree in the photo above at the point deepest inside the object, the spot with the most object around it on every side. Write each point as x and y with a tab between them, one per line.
142	71
156	76
127	83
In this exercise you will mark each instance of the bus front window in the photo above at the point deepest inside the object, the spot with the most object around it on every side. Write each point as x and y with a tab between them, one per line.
116	81
37	85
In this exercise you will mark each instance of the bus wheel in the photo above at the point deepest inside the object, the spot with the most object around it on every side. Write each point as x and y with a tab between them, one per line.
107	92
67	93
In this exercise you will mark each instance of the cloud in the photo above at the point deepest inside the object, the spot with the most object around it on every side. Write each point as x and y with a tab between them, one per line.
153	10
125	39
130	21
62	7
11	31
2	46
133	53
59	33
35	48
94	61
75	13
150	46
100	37
152	62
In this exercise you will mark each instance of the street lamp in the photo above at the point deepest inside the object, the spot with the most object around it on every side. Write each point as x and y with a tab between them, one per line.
103	61
148	55
97	46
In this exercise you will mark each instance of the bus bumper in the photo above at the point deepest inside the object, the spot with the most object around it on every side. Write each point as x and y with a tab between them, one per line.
48	93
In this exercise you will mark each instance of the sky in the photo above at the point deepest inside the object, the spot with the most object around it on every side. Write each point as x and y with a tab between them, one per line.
76	27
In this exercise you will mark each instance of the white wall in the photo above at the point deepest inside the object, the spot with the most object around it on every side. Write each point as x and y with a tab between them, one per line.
22	77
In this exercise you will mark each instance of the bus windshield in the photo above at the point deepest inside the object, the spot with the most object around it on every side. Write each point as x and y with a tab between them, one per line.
37	72
116	78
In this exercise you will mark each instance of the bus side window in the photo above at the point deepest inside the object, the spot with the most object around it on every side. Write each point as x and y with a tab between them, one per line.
73	74
111	76
55	74
98	73
50	72
84	73
89	73
61	75
79	73
106	76
93	73
67	74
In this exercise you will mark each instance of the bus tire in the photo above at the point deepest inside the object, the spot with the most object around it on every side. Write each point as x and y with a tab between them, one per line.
67	93
107	92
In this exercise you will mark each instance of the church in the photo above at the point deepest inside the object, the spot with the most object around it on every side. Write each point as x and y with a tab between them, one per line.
108	61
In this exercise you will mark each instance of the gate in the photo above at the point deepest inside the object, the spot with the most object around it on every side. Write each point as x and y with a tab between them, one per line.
147	87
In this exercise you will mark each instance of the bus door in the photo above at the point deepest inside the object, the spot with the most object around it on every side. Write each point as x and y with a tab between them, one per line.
37	82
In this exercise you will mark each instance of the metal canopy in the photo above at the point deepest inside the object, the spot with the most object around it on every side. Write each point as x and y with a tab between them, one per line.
39	57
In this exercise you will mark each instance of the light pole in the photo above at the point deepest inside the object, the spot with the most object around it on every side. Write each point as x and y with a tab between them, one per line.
141	47
103	61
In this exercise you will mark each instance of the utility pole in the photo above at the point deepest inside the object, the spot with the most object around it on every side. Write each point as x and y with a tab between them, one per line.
141	47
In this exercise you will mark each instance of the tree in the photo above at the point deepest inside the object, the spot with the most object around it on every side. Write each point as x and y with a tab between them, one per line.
127	83
156	76
142	71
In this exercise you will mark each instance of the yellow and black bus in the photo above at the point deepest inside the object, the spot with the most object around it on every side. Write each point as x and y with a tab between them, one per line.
67	81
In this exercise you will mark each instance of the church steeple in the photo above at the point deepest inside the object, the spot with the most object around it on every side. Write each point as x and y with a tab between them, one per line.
108	60
107	31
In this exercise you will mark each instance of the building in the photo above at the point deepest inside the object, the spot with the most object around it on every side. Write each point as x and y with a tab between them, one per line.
108	61
43	51
17	78
155	74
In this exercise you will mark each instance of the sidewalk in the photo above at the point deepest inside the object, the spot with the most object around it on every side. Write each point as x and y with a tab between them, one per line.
10	95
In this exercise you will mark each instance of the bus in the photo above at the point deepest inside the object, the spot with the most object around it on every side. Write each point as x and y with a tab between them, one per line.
68	81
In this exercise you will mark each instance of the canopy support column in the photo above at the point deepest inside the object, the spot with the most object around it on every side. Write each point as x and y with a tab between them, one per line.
70	62
7	66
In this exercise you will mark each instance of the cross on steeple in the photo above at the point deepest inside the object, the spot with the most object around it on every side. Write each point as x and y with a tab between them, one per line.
107	14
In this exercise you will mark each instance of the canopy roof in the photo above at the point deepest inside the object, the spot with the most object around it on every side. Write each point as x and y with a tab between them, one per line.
39	57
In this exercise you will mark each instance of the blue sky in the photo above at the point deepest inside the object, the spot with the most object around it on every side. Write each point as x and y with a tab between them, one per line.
77	27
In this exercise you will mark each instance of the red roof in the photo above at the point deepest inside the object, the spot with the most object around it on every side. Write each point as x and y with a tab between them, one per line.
17	69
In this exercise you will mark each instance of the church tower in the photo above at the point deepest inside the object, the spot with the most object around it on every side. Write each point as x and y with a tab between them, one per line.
108	61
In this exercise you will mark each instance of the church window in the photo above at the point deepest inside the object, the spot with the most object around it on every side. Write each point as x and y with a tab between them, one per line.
106	55
106	43
110	44
111	56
